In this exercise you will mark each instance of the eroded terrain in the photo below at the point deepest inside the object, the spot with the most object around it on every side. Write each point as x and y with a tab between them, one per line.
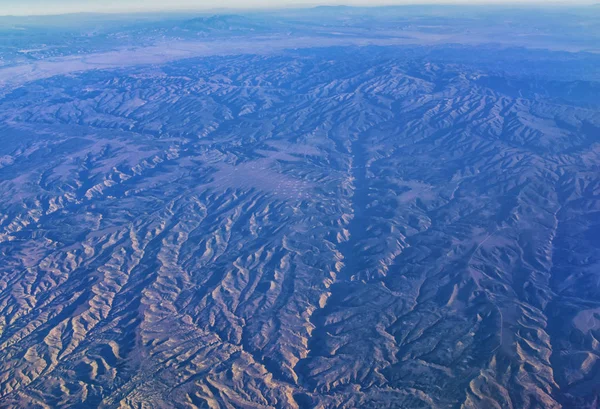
348	227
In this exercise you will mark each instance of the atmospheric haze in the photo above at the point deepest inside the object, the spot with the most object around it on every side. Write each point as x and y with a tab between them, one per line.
40	7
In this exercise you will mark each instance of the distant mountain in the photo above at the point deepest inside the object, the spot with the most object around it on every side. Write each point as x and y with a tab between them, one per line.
225	23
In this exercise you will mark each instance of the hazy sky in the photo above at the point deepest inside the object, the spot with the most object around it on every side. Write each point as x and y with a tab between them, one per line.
29	7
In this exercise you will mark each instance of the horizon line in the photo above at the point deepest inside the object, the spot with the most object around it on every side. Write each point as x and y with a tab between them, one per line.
300	6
